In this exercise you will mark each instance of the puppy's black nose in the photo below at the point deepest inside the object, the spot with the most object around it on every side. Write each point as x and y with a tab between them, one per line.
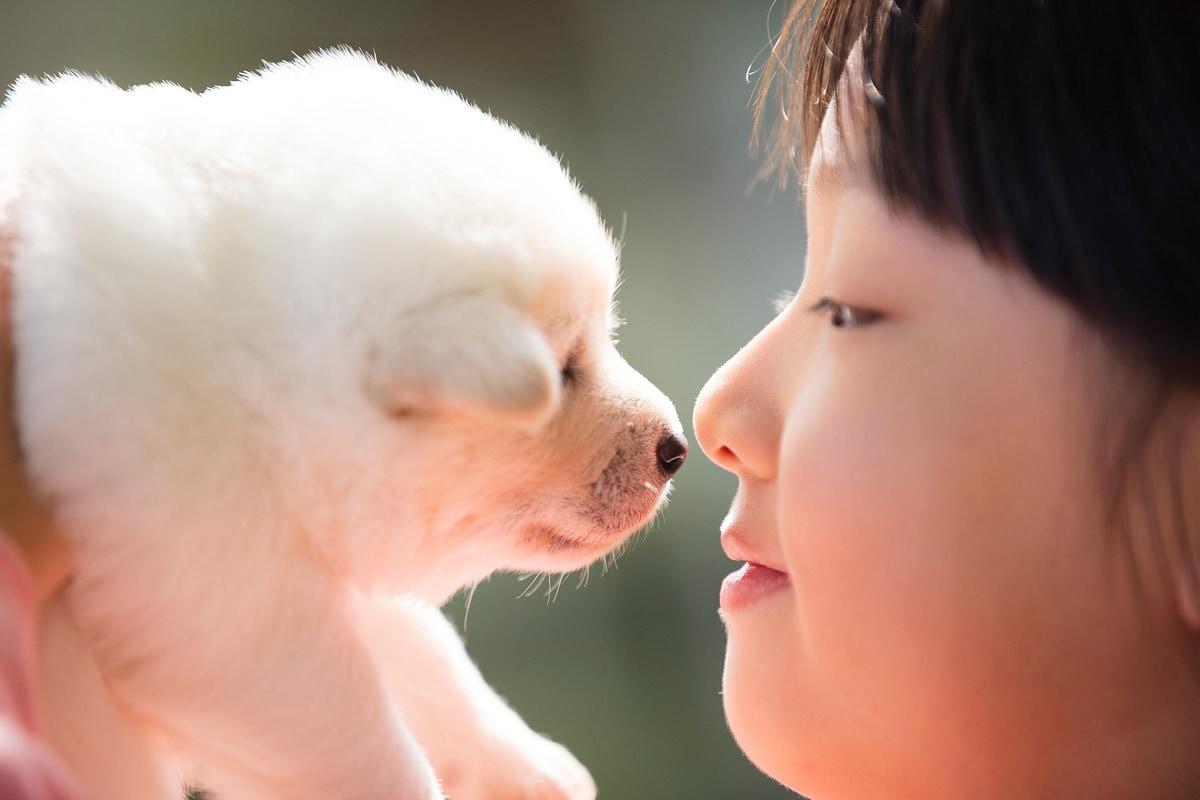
672	452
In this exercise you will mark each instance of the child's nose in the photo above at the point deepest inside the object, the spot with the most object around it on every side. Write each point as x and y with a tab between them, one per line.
736	419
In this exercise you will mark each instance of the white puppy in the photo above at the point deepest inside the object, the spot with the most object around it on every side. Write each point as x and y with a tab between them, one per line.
286	348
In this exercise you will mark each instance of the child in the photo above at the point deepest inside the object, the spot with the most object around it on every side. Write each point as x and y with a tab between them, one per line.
968	449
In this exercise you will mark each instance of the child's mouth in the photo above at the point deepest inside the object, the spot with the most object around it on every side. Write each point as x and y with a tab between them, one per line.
750	584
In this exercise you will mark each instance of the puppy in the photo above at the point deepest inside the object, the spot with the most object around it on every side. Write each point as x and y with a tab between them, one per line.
298	358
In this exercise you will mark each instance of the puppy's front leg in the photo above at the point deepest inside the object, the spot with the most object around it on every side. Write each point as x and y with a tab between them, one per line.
289	706
480	748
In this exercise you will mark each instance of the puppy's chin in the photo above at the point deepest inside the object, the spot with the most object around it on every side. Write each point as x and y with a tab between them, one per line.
550	547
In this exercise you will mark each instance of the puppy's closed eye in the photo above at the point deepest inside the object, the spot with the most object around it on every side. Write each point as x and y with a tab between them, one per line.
571	368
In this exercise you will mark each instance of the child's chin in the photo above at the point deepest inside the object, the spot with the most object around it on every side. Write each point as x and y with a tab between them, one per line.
760	682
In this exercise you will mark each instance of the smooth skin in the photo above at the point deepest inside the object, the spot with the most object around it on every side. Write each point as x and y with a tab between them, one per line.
958	622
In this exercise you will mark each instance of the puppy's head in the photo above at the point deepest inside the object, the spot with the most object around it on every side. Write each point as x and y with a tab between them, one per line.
455	280
539	447
533	444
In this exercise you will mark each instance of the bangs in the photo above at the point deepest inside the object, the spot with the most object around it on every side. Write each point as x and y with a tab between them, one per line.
1058	135
935	94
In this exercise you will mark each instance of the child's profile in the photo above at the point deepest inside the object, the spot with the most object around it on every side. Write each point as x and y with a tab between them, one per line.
968	448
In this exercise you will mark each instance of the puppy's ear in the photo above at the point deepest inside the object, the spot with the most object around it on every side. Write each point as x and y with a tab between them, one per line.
468	353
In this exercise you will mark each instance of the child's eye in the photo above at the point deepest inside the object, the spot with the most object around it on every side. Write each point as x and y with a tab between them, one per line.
844	316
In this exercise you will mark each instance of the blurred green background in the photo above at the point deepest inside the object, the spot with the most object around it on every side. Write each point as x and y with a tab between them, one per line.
647	104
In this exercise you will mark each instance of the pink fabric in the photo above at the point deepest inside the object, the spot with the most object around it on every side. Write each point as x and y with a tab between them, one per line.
27	769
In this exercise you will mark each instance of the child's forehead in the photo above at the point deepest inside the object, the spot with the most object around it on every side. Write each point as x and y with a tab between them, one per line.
838	157
840	152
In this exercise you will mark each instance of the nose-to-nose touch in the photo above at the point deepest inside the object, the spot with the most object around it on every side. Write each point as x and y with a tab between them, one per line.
672	452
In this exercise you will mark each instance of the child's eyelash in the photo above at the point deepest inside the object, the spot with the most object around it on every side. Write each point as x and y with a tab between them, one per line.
781	301
842	315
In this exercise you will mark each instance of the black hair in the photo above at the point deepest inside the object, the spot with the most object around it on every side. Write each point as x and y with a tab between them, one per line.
1063	135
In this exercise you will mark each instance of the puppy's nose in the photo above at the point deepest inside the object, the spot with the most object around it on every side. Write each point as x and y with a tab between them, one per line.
672	452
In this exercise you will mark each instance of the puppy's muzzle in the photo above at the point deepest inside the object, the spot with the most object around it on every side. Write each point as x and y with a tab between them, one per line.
672	452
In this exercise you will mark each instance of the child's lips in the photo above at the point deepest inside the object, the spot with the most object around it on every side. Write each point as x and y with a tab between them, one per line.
750	584
754	581
736	548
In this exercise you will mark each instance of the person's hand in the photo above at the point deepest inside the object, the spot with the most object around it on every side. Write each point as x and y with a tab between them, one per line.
24	517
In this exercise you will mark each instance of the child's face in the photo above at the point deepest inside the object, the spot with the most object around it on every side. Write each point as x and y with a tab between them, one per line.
926	481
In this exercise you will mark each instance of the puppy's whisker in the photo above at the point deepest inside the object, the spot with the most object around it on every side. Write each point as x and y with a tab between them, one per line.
553	596
538	577
467	611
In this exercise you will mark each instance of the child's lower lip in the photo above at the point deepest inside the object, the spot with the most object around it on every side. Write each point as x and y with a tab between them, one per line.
750	584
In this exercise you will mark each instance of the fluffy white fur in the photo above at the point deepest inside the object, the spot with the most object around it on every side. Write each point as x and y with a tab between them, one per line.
288	350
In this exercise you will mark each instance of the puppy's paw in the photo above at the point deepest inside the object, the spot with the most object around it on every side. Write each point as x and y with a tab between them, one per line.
518	766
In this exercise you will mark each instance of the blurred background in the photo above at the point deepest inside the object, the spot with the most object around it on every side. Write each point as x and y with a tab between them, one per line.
646	102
